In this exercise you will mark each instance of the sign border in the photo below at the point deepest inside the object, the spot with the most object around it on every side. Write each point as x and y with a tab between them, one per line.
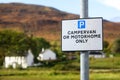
80	19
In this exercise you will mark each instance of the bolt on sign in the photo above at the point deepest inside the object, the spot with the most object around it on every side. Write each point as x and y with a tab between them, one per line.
82	34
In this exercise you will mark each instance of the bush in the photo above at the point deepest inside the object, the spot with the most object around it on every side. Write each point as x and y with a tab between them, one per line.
116	46
1	59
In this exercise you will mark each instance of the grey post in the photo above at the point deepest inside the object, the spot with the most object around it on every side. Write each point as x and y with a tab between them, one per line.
84	59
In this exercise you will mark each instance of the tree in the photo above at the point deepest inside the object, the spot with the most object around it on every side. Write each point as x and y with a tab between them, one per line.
37	44
57	49
116	46
13	43
1	57
41	43
105	46
17	44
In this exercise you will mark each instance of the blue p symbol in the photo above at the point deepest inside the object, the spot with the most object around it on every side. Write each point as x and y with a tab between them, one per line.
81	24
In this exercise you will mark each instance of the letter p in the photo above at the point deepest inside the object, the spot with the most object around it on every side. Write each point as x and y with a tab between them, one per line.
81	24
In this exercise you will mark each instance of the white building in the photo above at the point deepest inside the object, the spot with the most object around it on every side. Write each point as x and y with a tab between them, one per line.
46	55
30	58
19	61
97	54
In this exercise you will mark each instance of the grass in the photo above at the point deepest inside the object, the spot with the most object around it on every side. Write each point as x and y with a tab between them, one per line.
38	74
105	63
100	69
105	76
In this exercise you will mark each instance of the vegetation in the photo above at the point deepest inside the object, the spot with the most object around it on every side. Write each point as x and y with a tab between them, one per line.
41	21
63	69
116	46
38	74
47	74
14	43
100	69
45	22
17	43
105	63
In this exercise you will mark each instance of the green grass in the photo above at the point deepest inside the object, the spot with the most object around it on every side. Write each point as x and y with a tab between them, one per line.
105	63
38	74
100	69
105	76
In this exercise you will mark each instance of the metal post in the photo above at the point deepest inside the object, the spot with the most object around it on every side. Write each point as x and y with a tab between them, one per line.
84	59
83	8
84	65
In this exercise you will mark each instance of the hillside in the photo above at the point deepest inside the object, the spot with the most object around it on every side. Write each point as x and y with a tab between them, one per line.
33	19
42	21
111	31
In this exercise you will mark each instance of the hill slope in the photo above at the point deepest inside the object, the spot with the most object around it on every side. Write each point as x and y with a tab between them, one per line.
33	19
43	21
111	30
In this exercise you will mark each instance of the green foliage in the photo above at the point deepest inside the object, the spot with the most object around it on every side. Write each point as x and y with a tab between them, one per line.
116	46
17	44
41	43
1	58
67	65
55	46
13	43
106	48
37	45
105	44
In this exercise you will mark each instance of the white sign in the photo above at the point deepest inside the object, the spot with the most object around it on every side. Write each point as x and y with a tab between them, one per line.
82	34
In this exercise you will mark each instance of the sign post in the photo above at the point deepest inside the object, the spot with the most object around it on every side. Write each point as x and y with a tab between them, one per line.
84	56
84	34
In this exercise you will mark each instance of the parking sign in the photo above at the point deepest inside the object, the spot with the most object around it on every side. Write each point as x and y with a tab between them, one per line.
81	24
82	34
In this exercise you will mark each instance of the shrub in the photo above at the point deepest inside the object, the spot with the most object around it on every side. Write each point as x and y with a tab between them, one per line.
116	46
